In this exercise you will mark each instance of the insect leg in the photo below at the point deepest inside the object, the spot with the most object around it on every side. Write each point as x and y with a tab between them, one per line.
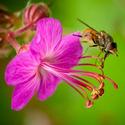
101	51
95	45
105	56
89	47
98	55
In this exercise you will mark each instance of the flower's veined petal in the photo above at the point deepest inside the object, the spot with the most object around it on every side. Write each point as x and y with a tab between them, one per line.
48	36
48	86
20	69
69	52
23	93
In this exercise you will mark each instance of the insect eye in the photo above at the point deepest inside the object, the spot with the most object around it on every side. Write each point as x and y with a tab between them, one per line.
114	45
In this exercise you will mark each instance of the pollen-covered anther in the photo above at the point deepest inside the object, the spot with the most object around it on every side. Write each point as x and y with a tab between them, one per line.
101	91
96	93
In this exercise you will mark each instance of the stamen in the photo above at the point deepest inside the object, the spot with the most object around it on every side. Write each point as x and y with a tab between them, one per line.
62	69
92	57
96	91
88	103
111	81
97	76
74	79
77	76
100	77
94	65
78	73
74	83
66	75
74	87
77	82
92	75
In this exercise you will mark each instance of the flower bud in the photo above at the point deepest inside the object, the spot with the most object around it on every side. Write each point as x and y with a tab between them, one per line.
34	12
4	47
7	19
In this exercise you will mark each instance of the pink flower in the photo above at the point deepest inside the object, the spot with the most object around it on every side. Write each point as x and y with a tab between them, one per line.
49	60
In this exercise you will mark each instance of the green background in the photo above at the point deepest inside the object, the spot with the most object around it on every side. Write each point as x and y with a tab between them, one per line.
66	107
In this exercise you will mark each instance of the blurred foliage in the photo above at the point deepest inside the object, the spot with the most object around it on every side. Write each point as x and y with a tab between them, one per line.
65	107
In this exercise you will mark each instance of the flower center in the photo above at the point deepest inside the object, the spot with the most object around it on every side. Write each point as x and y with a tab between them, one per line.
49	58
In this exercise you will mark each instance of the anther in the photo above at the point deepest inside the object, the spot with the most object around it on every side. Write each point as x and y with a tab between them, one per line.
89	104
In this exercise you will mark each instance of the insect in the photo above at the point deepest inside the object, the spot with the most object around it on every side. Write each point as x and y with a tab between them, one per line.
99	39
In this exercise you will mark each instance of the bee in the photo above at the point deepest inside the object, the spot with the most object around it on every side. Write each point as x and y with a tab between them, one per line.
99	39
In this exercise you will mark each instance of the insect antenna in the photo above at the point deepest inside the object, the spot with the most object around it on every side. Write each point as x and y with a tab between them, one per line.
86	24
77	35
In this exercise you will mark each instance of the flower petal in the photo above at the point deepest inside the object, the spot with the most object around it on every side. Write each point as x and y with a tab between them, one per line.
23	93
69	52
48	86
48	36
20	69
